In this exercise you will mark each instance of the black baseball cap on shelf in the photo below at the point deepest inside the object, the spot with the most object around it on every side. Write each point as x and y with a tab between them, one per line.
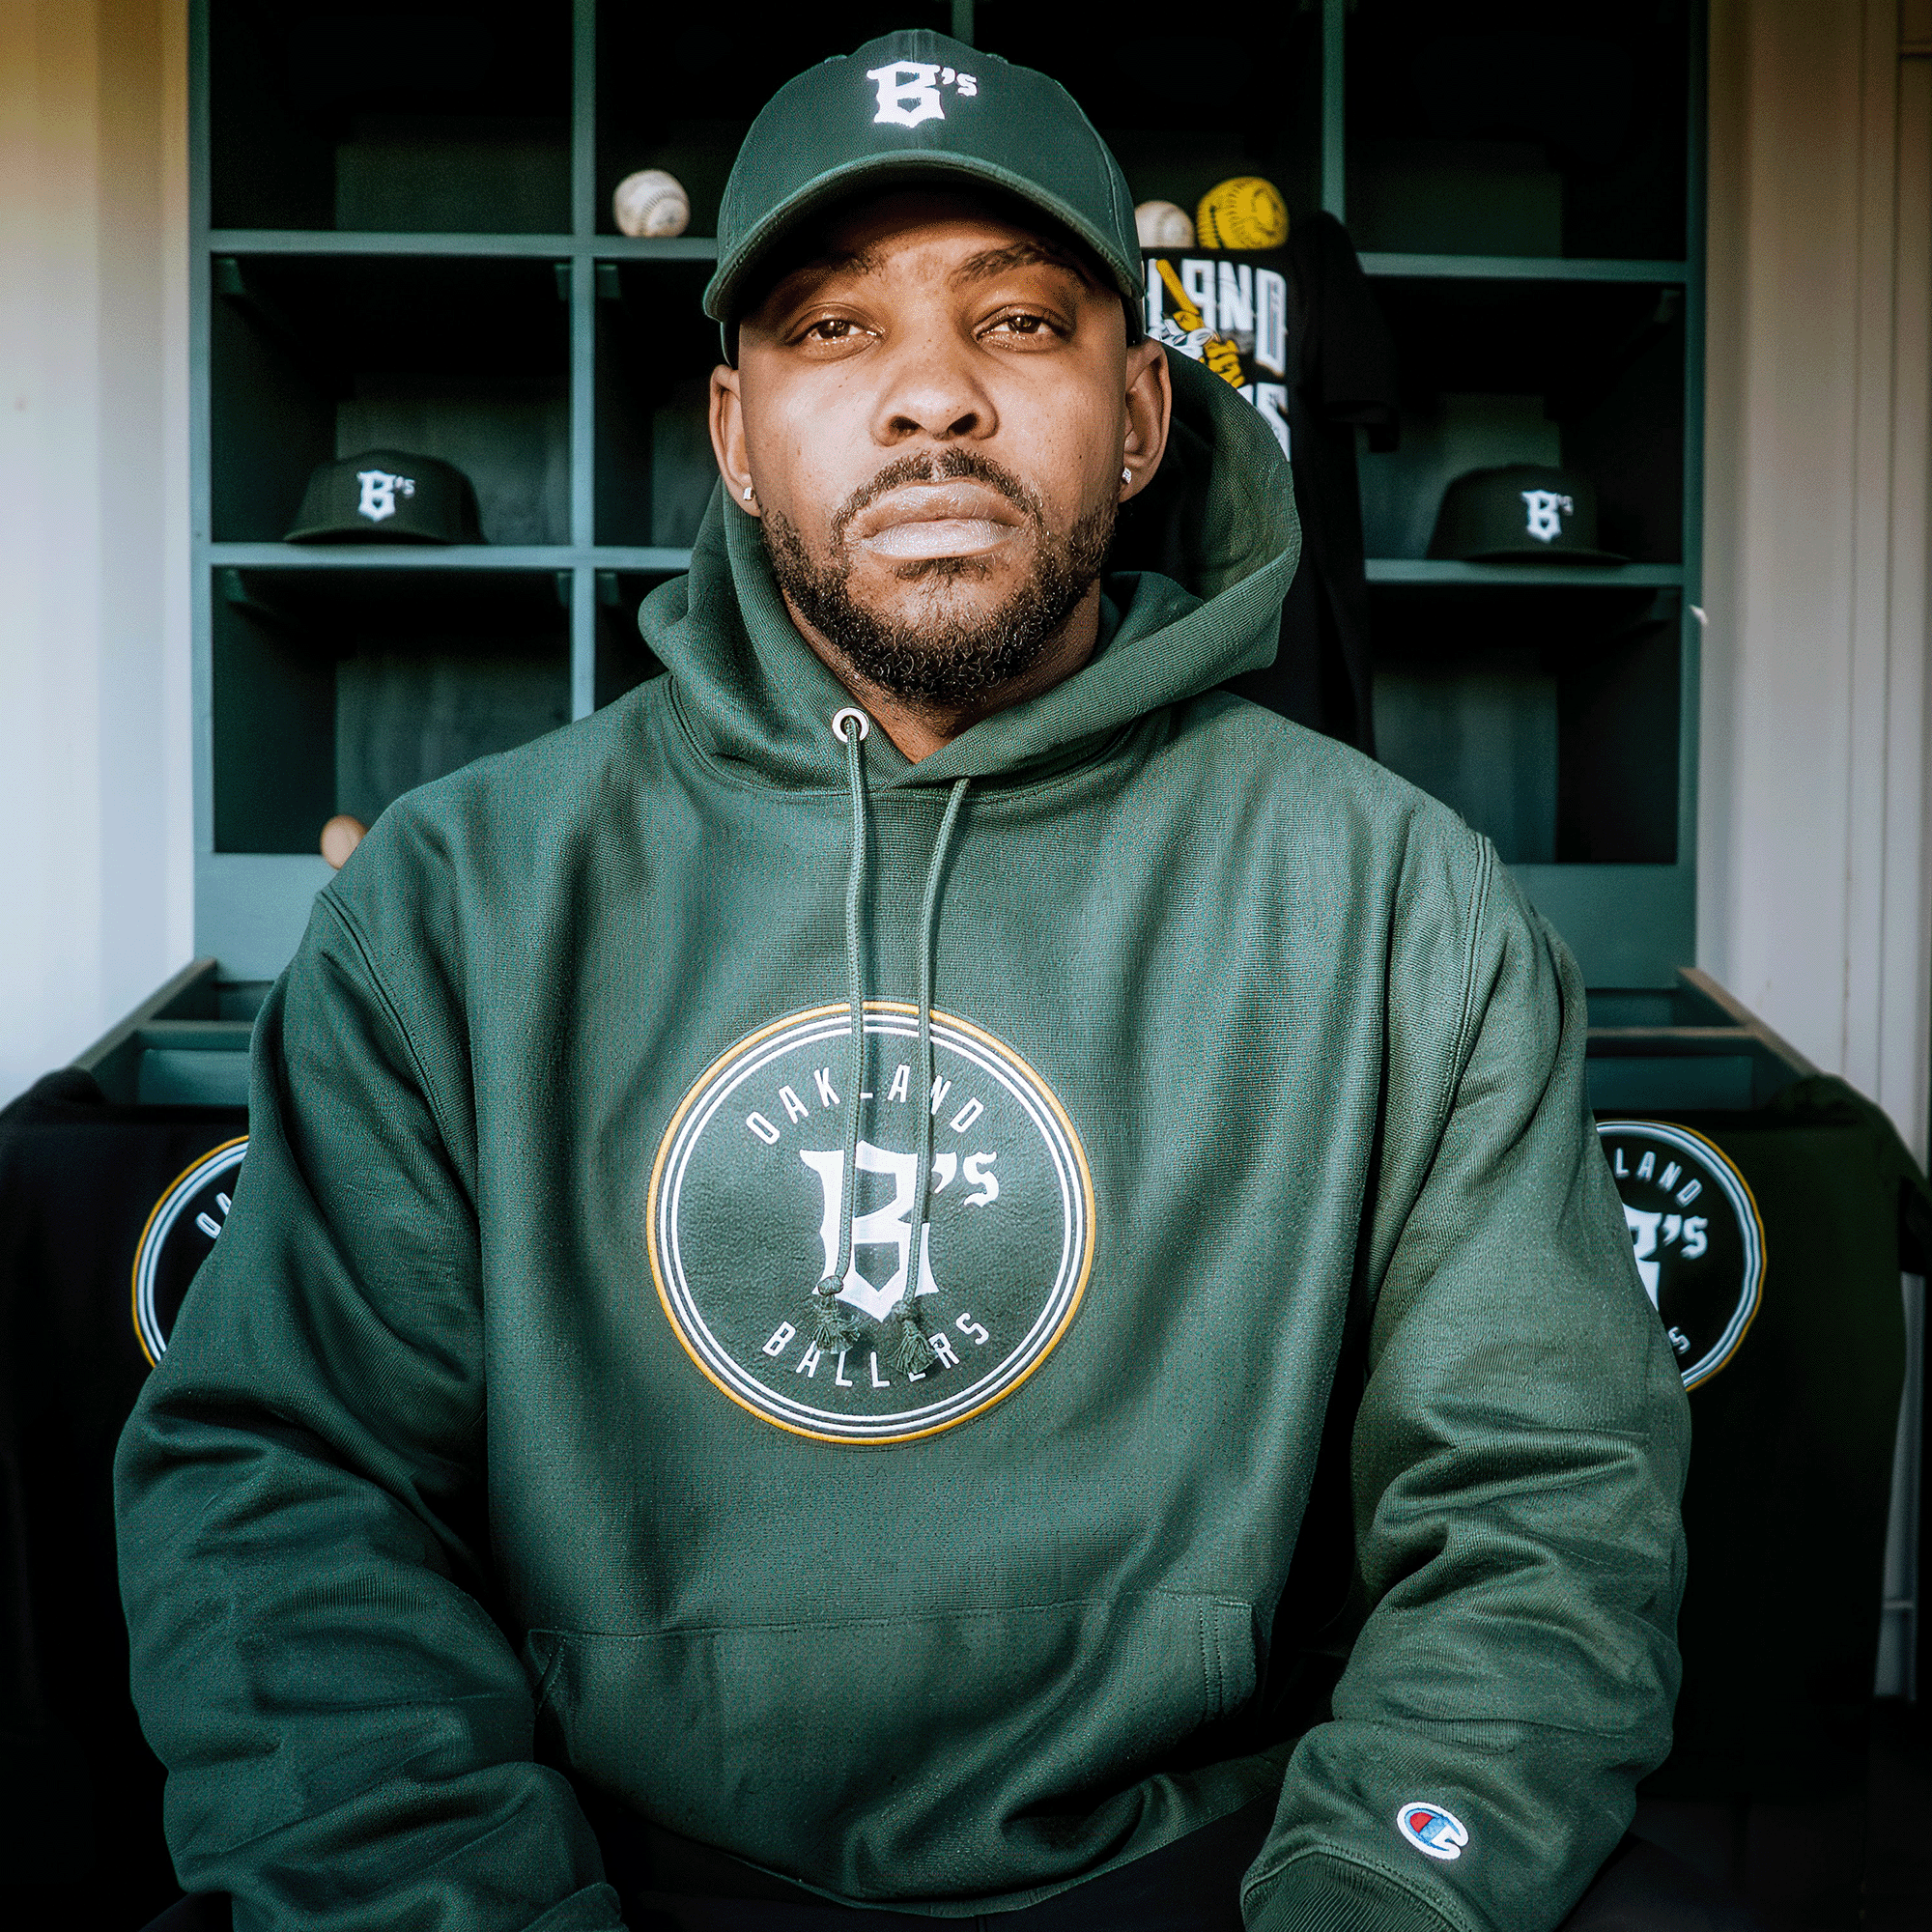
387	496
916	107
1517	512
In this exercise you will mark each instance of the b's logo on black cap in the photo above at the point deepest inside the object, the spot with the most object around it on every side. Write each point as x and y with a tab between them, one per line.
1545	510
185	1224
909	91
1696	1235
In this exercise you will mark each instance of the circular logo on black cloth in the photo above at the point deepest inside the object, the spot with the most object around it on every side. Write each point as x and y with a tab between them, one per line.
747	1216
184	1225
1697	1236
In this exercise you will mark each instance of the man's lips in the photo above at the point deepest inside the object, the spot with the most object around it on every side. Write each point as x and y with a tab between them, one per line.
957	518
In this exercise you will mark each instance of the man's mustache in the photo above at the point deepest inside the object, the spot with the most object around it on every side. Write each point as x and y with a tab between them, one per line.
942	466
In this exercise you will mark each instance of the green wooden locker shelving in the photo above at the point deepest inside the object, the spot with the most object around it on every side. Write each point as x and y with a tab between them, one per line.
509	333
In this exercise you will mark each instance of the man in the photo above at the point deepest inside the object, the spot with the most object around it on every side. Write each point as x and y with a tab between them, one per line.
1158	1425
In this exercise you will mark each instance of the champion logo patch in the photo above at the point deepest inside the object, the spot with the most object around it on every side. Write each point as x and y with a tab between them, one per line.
182	1226
745	1214
1435	1833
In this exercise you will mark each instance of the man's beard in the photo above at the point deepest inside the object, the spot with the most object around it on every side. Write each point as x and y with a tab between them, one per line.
945	662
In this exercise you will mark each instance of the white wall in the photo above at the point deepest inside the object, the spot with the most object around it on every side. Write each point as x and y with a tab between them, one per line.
1812	902
95	788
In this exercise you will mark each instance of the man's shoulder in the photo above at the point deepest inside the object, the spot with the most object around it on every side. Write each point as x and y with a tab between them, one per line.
1324	793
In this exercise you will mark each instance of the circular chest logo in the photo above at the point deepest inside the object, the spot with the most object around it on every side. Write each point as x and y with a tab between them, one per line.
1698	1239
182	1226
747	1216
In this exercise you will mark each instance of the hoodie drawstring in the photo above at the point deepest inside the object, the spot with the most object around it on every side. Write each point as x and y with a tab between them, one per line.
835	1332
913	1353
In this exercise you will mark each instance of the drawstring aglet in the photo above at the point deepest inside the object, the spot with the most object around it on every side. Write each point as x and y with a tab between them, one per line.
912	1354
835	1332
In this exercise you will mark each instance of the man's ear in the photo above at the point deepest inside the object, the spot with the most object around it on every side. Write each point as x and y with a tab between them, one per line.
728	439
1149	407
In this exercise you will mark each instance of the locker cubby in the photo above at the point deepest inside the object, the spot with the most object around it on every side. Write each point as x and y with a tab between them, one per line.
654	353
407	242
624	661
1513	130
1547	716
318	356
451	117
678	92
339	690
1185	109
1589	375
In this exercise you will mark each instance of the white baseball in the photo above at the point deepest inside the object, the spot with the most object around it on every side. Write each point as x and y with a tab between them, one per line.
1161	224
651	202
340	837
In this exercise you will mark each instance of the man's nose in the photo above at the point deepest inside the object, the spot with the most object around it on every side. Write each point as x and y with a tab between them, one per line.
930	387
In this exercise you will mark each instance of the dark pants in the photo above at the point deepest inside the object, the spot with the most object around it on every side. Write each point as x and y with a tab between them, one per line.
1193	1885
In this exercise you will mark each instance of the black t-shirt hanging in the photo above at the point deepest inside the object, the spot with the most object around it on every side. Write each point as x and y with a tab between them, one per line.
105	1212
1316	359
1782	1305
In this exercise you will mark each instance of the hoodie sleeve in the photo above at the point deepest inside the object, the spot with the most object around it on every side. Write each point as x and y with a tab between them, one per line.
1517	1462
346	1732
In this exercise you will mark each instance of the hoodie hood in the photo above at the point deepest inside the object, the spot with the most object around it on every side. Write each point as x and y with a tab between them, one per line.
1201	562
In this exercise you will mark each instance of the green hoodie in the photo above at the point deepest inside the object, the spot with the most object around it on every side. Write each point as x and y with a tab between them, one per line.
1276	1307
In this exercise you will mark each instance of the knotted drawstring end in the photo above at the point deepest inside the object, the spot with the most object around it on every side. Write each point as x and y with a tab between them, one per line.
835	1332
912	1354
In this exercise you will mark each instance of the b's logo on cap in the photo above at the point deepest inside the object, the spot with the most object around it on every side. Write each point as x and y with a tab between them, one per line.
1547	511
909	91
380	490
1435	1833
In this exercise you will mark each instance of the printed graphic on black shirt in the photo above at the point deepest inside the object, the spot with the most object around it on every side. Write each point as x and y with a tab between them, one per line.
185	1223
747	1213
1317	349
1696	1235
1231	313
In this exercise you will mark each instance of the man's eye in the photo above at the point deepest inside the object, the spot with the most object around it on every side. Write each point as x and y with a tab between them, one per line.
1023	323
831	329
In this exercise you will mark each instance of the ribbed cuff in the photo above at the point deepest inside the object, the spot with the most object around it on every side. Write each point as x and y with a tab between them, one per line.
1317	1894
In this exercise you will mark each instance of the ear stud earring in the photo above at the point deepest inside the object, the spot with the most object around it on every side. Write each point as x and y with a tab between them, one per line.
1126	475
748	493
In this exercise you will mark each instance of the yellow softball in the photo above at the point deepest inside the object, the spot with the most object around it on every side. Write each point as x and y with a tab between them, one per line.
1246	212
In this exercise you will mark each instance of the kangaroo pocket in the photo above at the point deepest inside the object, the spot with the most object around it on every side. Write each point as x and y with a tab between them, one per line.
950	1754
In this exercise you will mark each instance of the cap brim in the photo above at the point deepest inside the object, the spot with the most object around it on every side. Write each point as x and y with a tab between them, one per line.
1542	553
883	171
354	534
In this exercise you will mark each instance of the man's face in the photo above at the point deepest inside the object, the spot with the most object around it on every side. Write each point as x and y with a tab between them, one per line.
933	416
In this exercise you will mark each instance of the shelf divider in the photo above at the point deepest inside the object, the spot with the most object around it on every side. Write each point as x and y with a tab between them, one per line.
1522	267
381	241
409	241
1334	108
650	559
1571	576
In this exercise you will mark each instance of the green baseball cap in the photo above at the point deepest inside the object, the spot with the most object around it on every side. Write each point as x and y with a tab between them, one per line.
916	107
